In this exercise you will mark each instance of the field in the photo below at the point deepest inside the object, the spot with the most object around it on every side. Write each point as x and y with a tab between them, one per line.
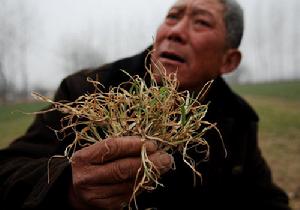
276	103
14	121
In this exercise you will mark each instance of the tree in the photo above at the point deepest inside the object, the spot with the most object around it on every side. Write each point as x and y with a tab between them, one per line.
3	85
15	21
79	54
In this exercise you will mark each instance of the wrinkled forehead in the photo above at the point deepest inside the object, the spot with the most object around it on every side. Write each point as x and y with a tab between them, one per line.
213	5
197	1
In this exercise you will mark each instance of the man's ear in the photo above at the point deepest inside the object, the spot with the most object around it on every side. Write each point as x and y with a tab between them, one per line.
231	61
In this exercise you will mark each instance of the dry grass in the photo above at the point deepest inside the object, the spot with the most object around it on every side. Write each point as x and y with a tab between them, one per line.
161	113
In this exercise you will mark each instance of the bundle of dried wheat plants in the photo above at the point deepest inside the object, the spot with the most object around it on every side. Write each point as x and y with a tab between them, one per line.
161	113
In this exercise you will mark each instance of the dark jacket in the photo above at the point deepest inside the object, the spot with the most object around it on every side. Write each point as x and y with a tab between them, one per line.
240	180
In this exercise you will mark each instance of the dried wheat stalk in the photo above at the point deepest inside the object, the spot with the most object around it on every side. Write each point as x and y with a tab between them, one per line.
161	113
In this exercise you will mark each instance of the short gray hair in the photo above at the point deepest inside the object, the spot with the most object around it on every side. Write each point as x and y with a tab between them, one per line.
234	22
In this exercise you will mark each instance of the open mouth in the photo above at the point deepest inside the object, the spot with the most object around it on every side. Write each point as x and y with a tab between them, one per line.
172	56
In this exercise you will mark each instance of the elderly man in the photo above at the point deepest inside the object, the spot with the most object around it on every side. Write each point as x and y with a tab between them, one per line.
199	40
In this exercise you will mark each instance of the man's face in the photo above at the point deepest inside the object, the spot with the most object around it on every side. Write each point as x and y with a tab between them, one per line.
191	41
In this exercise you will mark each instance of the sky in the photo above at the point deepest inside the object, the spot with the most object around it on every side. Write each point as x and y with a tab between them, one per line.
118	28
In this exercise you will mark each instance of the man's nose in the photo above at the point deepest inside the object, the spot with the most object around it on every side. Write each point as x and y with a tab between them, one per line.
179	31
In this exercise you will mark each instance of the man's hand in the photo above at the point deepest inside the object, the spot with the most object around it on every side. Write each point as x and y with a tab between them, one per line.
104	173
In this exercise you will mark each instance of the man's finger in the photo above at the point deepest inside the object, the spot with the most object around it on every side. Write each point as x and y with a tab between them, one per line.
108	190
122	170
112	149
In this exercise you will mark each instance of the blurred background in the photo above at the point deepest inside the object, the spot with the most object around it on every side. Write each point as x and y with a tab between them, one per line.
42	41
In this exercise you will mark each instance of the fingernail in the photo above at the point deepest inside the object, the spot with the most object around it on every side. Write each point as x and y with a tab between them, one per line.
165	159
151	146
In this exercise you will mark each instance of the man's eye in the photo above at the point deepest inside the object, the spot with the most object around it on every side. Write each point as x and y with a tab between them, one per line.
172	16
201	22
